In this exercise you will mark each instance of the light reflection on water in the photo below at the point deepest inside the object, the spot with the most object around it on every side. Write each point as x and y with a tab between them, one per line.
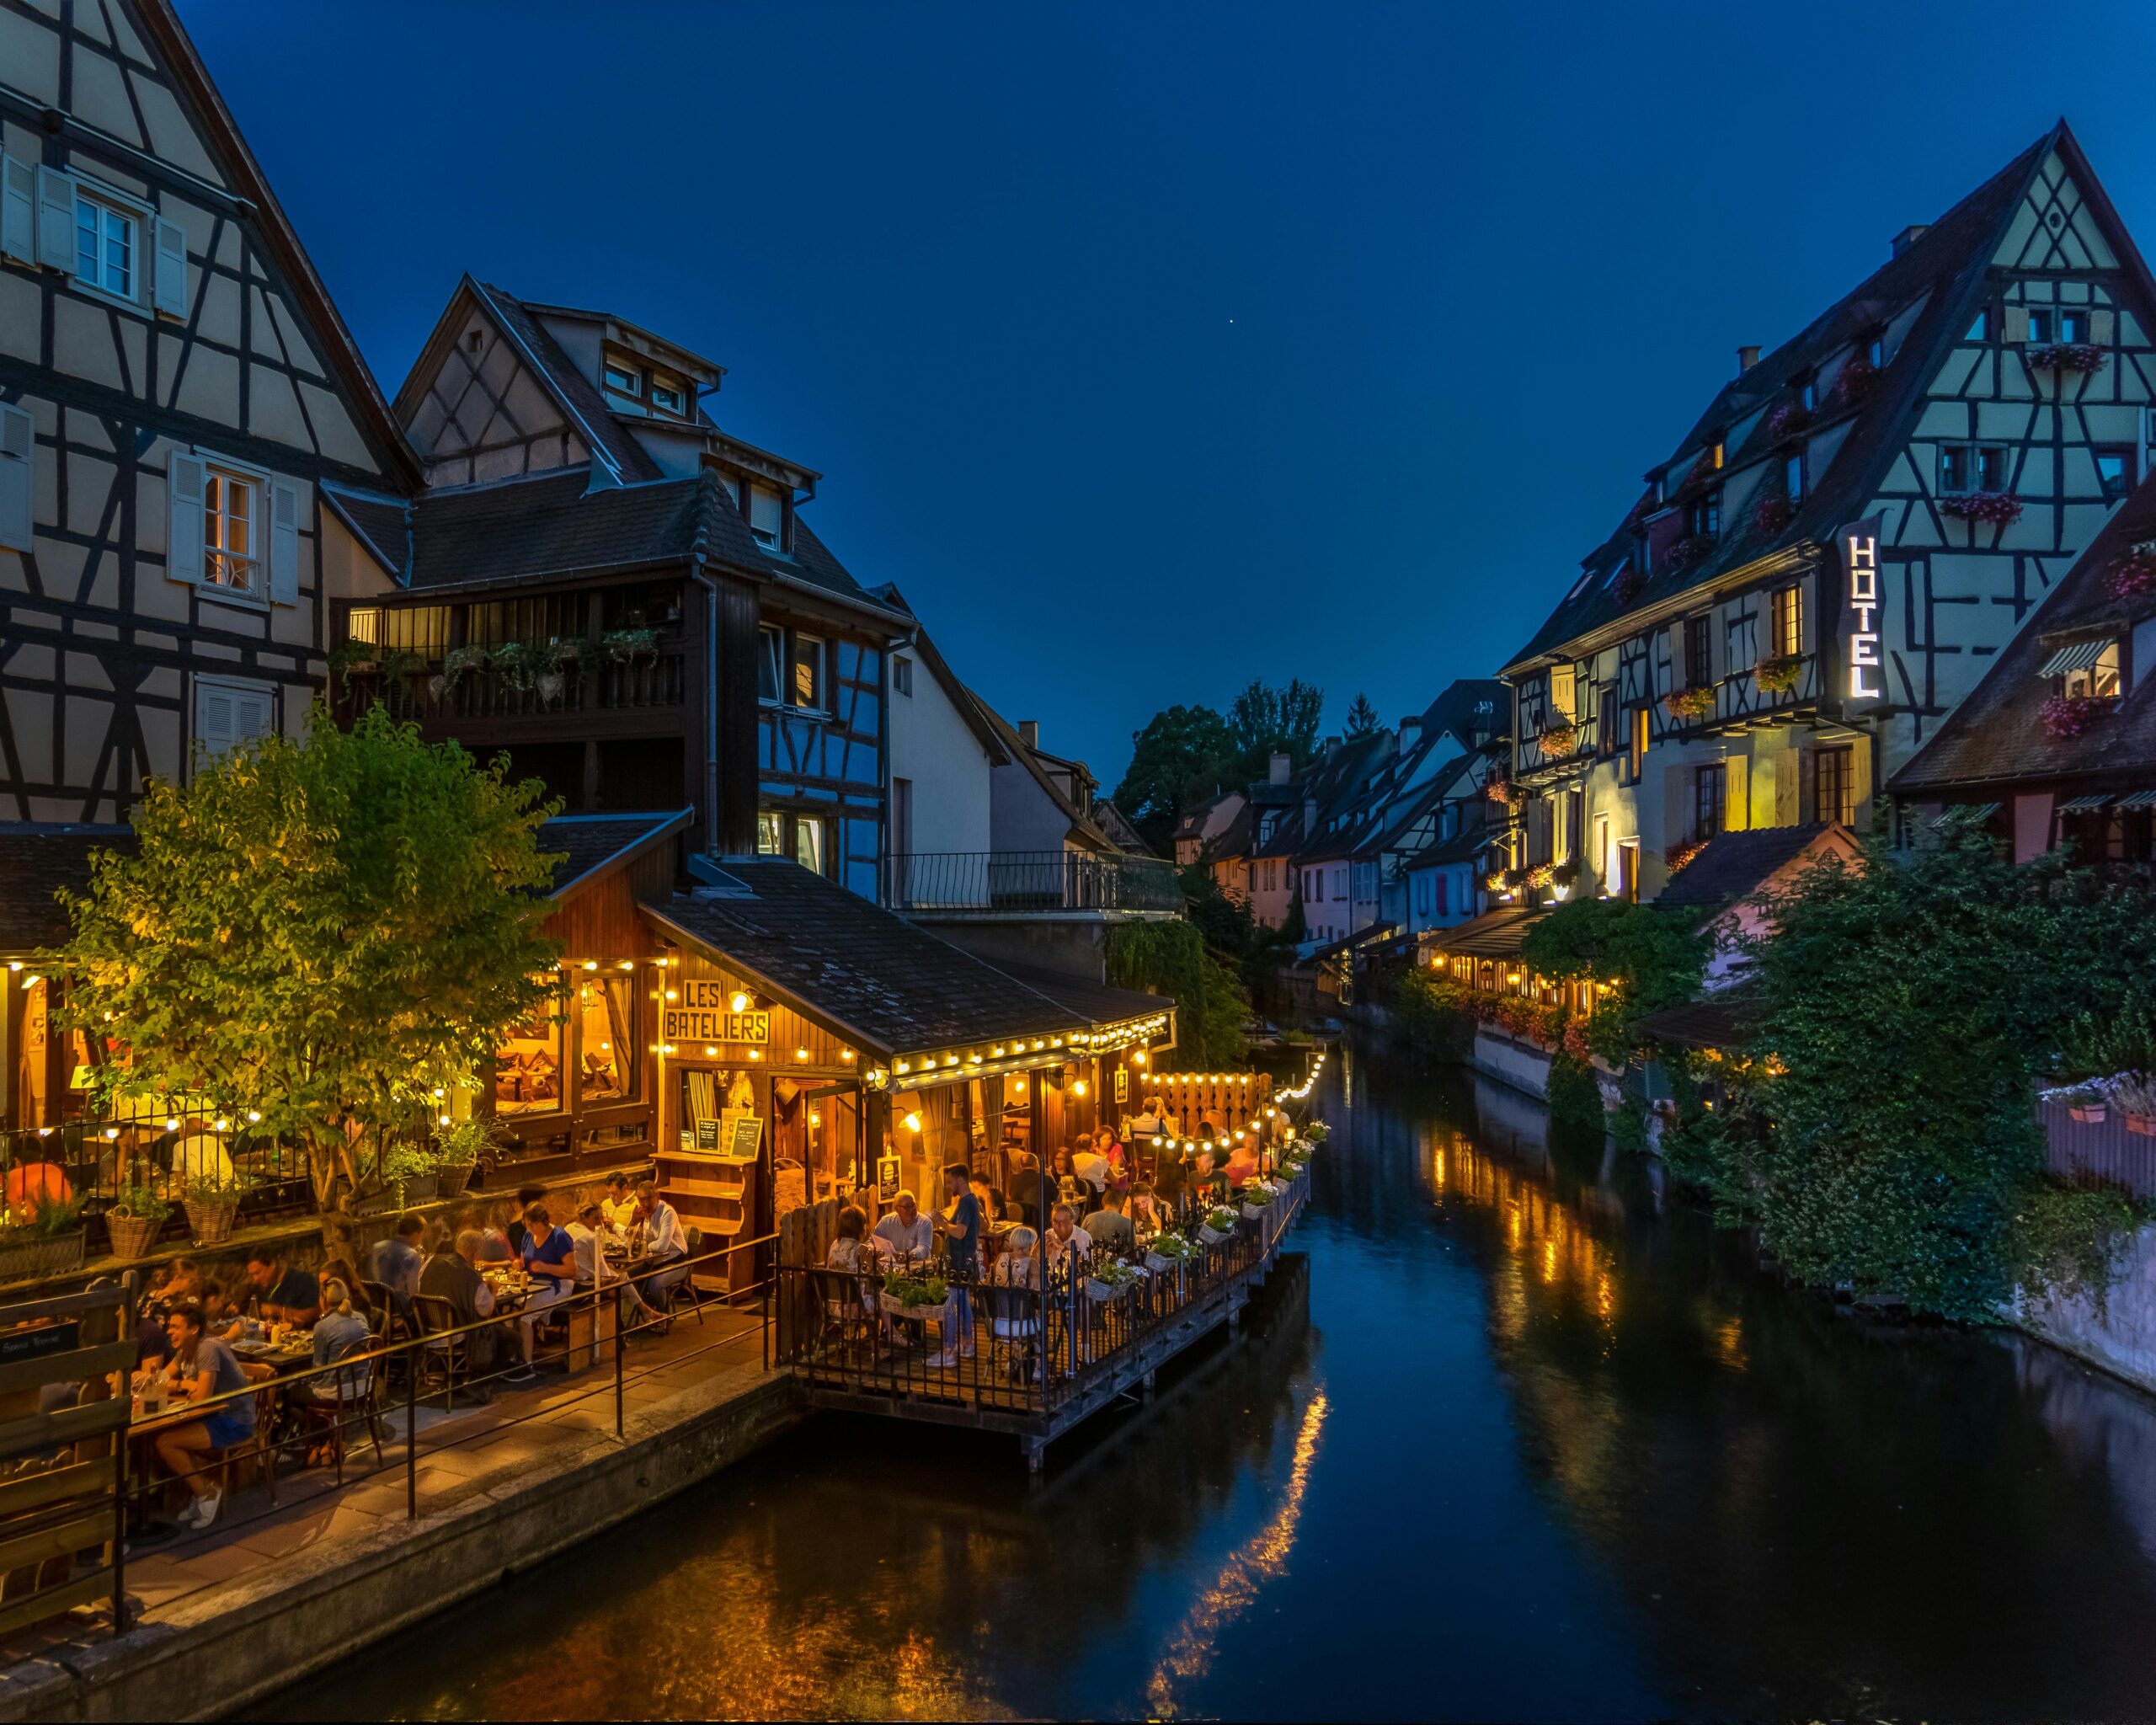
1523	1437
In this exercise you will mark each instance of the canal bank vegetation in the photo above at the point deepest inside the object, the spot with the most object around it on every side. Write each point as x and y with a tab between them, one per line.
1880	1130
1213	1010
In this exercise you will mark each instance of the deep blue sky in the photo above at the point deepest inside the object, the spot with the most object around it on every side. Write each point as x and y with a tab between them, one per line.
1151	349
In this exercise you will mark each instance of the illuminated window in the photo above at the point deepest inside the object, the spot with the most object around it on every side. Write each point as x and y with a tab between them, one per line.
807	687
1563	690
1787	623
606	1031
2100	681
1638	750
528	1064
231	513
808	842
770	833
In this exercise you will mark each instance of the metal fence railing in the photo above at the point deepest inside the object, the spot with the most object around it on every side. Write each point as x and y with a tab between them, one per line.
1034	1346
1022	882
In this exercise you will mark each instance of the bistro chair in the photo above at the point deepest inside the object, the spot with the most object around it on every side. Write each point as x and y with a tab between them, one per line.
332	1420
850	1314
1014	1328
445	1358
686	1288
257	1450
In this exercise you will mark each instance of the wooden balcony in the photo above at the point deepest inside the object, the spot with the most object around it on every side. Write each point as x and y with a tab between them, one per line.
593	696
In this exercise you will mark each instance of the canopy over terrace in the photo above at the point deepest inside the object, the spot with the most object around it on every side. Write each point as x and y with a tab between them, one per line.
925	1053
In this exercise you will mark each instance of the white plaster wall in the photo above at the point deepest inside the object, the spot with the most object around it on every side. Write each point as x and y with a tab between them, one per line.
2121	1338
953	781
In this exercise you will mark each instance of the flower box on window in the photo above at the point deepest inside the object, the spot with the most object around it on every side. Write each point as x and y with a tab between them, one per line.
1854	381
1772	513
2133	574
2064	716
1684	552
1689	705
2065	357
2000	508
1559	739
1788	420
1628	587
1779	673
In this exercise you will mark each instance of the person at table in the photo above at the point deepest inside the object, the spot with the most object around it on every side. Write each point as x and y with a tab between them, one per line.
1068	1188
1109	1150
1146	1217
619	1205
960	1226
494	1248
1242	1161
1031	1190
221	1318
1152	1121
549	1258
339	1333
202	1366
1110	1228
1091	1166
397	1259
453	1276
1171	1179
182	1280
340	1269
1064	1238
514	1229
282	1296
1207	1185
994	1207
657	1240
908	1235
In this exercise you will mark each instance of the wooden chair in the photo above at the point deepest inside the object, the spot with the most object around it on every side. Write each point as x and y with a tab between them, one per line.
1014	1327
258	1449
332	1420
687	1287
849	1318
448	1356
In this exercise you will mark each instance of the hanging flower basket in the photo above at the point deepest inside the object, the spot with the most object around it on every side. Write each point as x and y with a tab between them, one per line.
2133	574
2065	357
1689	705
2064	716
1772	513
2000	508
1559	740
1498	790
1541	874
1779	675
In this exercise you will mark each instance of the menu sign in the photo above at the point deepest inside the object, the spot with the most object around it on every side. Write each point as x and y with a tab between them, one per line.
704	1014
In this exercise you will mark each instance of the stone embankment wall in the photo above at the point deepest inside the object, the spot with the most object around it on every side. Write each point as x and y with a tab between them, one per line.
2120	1336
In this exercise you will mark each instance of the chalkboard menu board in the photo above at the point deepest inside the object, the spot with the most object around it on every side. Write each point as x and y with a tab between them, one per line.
748	1134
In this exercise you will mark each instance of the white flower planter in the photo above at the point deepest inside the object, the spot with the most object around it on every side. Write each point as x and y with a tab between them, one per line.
1162	1266
1106	1293
1255	1212
1211	1235
897	1308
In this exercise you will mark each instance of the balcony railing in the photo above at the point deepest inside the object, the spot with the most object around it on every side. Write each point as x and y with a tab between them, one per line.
595	684
1022	882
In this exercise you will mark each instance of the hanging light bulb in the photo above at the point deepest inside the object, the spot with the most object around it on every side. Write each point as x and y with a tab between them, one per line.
912	1123
738	1001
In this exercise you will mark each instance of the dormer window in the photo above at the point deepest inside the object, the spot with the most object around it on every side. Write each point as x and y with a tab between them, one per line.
767	518
1793	478
1654	486
1807	394
623	380
668	397
2090	669
1714	451
1703	519
1875	350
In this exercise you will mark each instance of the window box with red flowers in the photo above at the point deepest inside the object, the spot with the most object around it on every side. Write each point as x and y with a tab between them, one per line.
1779	673
2000	508
1854	381
1772	513
2133	574
1559	740
1788	420
1683	552
2065	357
2064	716
1689	705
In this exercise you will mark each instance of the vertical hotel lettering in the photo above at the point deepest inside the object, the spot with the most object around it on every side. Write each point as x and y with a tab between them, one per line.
1863	566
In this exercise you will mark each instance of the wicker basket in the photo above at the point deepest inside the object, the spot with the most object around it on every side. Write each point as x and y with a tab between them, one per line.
1211	1235
210	1224
1162	1266
453	1177
23	1258
132	1237
897	1308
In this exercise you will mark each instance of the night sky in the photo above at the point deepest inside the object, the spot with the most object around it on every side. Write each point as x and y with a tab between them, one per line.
1151	349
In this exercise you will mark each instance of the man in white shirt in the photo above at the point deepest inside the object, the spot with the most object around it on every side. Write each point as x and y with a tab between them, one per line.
904	1231
657	1238
1065	1237
1089	1167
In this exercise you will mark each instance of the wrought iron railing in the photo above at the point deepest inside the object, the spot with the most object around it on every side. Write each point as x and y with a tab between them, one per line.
595	683
1019	883
1033	1346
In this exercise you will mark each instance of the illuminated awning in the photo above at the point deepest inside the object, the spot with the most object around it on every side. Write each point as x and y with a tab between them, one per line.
1967	815
2076	656
2085	805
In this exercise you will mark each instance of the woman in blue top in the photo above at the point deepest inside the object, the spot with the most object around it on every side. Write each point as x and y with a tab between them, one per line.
550	1260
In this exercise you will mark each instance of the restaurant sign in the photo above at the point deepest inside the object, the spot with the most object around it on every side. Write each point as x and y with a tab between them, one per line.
1860	572
705	1014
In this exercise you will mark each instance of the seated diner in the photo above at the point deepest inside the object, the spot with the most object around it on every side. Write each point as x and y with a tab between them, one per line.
202	1367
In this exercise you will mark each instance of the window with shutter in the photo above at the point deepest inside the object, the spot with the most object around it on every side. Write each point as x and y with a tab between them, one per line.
766	518
18	477
169	290
18	209
55	220
185	479
228	713
284	543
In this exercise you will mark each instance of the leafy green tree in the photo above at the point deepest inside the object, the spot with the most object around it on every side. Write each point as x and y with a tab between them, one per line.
1180	758
1882	1133
1266	721
1653	960
1212	1008
1361	718
325	932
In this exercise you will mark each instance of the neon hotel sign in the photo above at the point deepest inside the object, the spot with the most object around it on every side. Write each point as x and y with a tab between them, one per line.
1862	563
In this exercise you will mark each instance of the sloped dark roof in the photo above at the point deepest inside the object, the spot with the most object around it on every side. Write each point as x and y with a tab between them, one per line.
1453	711
1495	934
1097	1002
382	524
1718	1022
866	972
1461	847
552	525
1734	865
1082	824
36	860
1336	785
577	392
1362	936
1945	270
591	846
1994	734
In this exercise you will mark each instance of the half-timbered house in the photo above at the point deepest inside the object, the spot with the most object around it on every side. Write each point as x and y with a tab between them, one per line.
600	581
1845	539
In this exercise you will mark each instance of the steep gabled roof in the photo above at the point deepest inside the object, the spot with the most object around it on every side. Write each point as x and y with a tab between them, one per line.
1083	827
961	698
592	847
385	435
382	524
1944	270
1994	733
1735	865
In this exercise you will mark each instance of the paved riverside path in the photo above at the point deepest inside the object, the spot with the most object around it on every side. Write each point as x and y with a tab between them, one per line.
265	1594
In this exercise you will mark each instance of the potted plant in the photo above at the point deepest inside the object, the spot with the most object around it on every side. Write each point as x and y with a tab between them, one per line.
1257	1196
1772	513
1779	673
2000	508
349	656
1689	705
136	1218
1170	1251
1109	1278
2064	716
905	1294
518	663
1854	381
1219	1227
2134	573
457	1150
456	664
630	646
1565	875
1559	739
1788	420
41	1236
408	1177
2085	1104
211	1201
2065	357
1316	1133
1685	552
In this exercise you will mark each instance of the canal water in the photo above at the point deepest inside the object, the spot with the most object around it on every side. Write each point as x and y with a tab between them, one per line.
1519	1435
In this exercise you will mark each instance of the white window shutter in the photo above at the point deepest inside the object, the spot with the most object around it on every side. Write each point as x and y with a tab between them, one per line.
171	286
18	209
213	719
284	543
250	714
184	479
18	477
55	220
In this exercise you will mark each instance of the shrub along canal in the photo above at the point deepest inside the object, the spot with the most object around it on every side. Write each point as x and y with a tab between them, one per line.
1524	1437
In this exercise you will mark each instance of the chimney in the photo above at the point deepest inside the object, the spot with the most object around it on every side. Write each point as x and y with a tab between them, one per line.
1747	358
1909	236
1029	733
1276	769
1411	731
